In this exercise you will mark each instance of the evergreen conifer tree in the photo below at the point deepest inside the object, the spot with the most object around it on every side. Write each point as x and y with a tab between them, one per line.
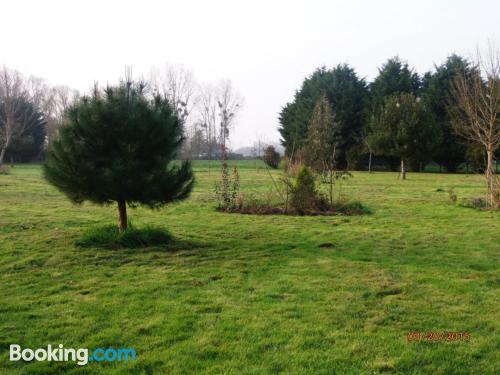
120	145
403	130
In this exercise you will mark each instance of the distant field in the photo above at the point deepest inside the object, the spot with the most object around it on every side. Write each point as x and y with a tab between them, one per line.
241	294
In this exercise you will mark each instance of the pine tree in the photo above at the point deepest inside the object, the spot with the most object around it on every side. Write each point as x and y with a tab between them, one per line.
394	78
404	130
120	145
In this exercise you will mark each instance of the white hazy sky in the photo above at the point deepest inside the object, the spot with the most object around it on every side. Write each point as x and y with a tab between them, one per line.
265	47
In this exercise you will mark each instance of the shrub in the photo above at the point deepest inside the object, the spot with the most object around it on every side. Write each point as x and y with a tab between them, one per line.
272	157
304	193
227	190
120	145
350	208
110	237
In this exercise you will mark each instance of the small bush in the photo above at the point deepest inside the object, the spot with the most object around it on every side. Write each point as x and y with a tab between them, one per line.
272	157
4	169
301	198
304	193
227	189
110	237
350	208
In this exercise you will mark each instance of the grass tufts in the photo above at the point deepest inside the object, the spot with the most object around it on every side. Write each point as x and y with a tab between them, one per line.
110	237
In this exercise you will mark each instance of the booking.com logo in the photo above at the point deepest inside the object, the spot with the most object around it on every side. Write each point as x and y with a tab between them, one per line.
80	356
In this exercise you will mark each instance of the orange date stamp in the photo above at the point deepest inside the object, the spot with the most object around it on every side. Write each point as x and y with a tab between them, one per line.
436	336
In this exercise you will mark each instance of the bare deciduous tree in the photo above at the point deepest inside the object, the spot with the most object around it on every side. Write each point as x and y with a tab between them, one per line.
177	85
207	106
321	144
12	93
59	99
15	90
229	102
477	115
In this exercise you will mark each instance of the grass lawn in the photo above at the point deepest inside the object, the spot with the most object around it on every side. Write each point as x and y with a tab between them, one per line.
241	294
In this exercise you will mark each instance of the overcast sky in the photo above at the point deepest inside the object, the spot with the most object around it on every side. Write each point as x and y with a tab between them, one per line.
265	47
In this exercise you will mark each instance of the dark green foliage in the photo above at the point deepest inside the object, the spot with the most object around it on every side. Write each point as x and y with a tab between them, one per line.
26	145
437	89
304	193
119	146
294	121
358	109
404	129
350	208
110	237
358	157
476	157
272	157
394	78
347	94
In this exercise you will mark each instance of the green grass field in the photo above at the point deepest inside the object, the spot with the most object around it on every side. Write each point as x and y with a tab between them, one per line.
242	294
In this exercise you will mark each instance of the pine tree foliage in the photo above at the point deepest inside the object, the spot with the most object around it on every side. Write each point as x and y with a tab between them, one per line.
120	145
404	129
394	78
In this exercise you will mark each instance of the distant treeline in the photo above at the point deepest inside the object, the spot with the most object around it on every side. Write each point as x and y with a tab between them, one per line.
32	112
357	107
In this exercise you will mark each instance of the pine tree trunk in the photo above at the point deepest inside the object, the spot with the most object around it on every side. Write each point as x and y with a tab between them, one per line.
122	210
490	177
402	174
370	163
